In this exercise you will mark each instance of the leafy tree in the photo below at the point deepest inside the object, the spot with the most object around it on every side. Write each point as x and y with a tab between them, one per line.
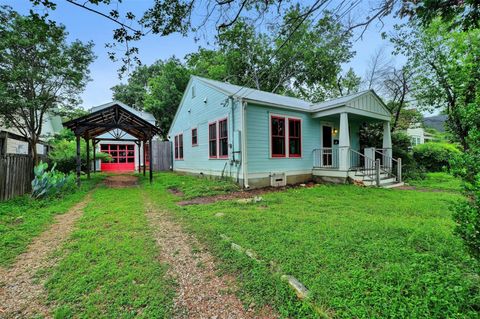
165	92
446	61
39	71
133	92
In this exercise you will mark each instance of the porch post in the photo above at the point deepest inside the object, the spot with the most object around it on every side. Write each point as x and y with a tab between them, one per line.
387	145
344	142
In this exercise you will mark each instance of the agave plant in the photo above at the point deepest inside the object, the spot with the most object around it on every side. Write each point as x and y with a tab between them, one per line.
48	183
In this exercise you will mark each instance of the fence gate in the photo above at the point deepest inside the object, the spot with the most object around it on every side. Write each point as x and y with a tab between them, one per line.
15	175
161	155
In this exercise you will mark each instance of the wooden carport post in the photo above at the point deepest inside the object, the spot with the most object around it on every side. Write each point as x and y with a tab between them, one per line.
94	144
139	144
79	160
150	159
87	140
144	159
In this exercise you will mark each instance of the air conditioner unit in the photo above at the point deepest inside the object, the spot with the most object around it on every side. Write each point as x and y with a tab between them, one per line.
278	179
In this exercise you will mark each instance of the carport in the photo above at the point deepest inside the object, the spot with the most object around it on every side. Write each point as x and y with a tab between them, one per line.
114	117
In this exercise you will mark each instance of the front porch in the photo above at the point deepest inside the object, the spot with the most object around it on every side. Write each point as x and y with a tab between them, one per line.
341	154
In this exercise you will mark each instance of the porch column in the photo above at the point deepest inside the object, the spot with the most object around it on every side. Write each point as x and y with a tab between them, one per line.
344	142
387	145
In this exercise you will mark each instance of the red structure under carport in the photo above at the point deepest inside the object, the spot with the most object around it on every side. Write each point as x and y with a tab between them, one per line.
114	117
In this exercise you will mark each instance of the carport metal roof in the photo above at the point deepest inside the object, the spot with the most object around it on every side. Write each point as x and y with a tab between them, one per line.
109	118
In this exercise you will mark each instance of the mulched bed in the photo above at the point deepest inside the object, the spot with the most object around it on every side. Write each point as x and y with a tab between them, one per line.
120	181
238	195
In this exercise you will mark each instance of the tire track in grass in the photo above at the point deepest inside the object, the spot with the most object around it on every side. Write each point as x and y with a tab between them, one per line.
110	267
21	295
200	292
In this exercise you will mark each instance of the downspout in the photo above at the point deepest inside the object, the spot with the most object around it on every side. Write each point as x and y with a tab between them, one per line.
244	144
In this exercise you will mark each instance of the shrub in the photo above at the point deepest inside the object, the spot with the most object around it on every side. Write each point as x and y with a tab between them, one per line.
49	183
64	153
435	157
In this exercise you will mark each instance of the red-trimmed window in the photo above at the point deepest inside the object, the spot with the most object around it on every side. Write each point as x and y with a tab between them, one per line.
212	140
277	133
179	147
294	138
194	137
223	138
176	146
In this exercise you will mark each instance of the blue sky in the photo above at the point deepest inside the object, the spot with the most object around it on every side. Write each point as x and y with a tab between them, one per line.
87	26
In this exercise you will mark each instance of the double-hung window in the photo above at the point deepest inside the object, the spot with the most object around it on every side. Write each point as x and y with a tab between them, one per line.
285	137
179	147
218	139
222	138
194	137
294	138
212	140
278	136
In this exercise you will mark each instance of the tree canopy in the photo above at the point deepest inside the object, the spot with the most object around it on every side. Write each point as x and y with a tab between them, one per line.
39	72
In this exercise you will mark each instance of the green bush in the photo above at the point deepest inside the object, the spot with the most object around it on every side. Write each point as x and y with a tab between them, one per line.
401	149
64	153
435	157
49	183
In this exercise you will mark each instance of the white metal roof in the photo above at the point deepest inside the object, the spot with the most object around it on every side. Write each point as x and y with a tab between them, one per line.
257	95
285	101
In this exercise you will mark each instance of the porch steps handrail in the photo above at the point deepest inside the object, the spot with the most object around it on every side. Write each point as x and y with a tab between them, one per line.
368	167
389	163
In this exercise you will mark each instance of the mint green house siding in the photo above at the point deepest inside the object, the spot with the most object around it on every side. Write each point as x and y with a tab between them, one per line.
260	161
201	105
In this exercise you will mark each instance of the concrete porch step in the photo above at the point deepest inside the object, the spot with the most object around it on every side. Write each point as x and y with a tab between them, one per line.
383	181
393	185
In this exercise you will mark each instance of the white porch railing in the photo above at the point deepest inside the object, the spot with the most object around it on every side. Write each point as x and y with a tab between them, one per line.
326	157
374	166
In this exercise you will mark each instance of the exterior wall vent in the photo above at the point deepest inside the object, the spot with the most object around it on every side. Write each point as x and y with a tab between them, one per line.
278	179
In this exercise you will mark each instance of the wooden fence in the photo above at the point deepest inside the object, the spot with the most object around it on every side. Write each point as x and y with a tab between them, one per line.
15	175
162	155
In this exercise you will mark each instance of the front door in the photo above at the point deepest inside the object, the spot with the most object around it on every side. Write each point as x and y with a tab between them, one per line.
327	151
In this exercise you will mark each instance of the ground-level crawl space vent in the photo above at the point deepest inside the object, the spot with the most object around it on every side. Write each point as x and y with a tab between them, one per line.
278	179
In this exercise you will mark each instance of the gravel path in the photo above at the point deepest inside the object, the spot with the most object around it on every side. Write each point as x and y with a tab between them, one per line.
21	294
200	292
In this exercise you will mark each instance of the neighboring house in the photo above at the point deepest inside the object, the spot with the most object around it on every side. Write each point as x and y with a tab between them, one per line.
122	147
12	142
259	139
418	135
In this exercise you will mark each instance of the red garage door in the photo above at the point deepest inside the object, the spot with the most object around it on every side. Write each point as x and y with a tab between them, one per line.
123	157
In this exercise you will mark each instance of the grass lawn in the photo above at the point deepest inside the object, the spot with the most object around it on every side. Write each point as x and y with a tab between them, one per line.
109	268
438	180
22	218
362	252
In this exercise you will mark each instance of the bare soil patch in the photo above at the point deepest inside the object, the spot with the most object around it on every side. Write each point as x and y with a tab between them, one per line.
175	191
233	195
200	292
120	181
21	293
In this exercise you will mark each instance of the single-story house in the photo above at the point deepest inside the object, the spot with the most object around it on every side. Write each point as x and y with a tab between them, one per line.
123	148
418	135
12	142
260	139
